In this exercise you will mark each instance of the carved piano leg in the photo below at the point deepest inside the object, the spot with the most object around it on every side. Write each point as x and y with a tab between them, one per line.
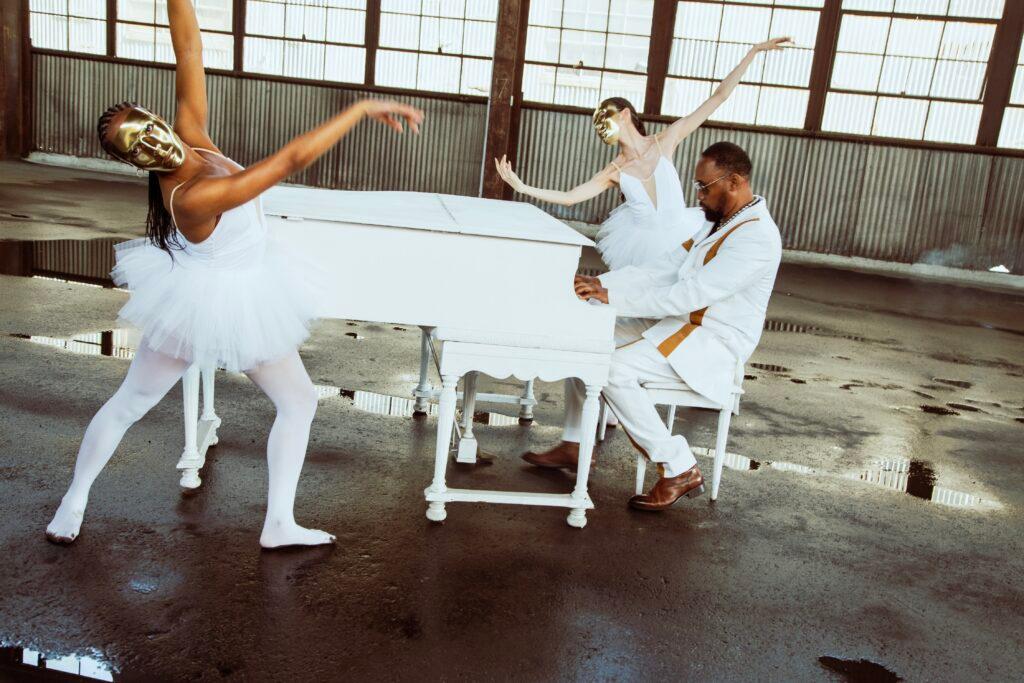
190	461
210	421
423	389
468	443
445	423
578	515
526	404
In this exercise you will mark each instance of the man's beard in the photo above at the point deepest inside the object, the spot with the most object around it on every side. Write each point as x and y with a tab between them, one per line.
712	215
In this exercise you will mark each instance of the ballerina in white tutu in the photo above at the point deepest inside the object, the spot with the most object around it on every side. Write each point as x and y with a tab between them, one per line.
654	217
207	284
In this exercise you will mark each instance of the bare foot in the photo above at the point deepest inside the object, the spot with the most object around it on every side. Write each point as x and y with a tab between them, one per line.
279	535
67	522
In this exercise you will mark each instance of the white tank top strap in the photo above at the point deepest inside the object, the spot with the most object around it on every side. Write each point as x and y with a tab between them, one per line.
616	166
170	203
658	143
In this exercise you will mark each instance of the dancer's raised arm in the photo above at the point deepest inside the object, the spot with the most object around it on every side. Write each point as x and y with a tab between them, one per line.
601	181
681	128
211	196
189	78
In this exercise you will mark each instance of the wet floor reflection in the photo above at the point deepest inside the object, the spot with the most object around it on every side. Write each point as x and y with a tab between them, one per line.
121	343
17	663
913	477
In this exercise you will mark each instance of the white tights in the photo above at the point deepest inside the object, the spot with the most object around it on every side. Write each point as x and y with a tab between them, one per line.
150	376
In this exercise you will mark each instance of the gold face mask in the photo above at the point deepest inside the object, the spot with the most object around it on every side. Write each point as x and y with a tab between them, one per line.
145	141
605	125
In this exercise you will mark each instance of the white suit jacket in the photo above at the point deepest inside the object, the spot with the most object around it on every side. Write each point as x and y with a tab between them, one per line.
710	297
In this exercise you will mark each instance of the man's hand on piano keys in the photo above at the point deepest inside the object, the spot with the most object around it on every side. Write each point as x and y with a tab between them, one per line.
588	287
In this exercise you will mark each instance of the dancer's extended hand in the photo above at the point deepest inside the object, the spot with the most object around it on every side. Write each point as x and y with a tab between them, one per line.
504	167
390	113
773	44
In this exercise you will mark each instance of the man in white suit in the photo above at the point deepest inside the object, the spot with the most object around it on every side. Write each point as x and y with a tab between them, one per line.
692	315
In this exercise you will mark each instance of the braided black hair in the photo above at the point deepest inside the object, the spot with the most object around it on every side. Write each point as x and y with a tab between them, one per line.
160	228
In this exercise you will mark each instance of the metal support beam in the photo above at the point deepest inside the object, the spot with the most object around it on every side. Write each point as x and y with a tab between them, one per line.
15	79
111	28
238	32
1002	64
824	58
506	94
371	40
662	24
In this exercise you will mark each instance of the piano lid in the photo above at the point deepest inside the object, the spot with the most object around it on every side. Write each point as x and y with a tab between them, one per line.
422	211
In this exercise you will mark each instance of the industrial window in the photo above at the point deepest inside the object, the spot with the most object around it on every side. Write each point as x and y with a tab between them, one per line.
711	37
315	39
142	31
579	52
911	68
437	45
72	25
1012	132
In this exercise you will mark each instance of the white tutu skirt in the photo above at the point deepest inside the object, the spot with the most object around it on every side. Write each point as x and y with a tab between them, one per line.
232	317
626	239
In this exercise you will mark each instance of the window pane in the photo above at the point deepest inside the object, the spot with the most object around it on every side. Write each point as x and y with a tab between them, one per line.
856	72
542	44
741	107
135	42
899	117
476	77
86	35
399	30
632	87
631	16
139	10
346	26
698	20
783	107
627	53
396	69
863	34
682	96
906	76
545	13
264	55
478	38
693	58
441	36
93	9
953	122
1012	133
439	73
743	24
958	80
585	15
49	31
218	50
538	82
304	60
264	18
582	46
347	64
846	113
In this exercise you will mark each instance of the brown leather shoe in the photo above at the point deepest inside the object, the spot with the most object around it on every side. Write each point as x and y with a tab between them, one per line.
566	454
668	490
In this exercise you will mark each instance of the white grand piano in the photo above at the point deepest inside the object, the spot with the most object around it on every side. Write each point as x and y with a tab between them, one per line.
491	283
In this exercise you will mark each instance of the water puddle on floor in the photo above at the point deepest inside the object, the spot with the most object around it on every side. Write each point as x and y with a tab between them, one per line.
858	670
19	663
771	325
916	478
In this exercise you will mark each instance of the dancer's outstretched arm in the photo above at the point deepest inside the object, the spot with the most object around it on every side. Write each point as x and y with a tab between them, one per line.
681	128
189	78
211	196
600	182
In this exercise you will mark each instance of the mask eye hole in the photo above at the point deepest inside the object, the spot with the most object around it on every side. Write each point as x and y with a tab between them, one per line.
149	127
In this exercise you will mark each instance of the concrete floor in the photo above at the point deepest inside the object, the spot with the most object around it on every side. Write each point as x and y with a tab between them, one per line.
799	559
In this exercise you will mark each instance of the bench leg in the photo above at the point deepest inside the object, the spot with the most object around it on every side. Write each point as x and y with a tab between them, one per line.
724	418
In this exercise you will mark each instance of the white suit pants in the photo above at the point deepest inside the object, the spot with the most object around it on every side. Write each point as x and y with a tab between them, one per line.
634	362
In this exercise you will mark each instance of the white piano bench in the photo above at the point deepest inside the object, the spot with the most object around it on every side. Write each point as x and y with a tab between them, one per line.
679	394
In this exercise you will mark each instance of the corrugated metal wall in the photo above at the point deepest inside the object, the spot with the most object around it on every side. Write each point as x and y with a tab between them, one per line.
881	202
853	199
250	119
